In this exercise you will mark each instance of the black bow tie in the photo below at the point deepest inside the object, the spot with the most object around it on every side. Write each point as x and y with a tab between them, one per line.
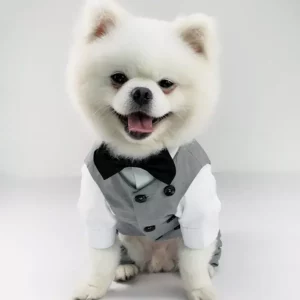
161	166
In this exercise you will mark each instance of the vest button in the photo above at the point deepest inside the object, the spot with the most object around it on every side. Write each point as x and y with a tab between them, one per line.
140	198
169	190
171	218
149	228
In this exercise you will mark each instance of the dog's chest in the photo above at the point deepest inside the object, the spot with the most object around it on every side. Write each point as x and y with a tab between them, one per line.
151	210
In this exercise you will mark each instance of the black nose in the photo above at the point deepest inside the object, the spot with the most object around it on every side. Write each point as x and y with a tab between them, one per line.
141	96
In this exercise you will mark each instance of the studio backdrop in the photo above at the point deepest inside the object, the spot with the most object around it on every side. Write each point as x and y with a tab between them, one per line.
257	124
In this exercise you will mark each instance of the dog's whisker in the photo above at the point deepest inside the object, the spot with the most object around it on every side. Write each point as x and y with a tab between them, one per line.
101	111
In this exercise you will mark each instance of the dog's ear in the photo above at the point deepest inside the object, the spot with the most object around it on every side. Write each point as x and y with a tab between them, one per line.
199	32
100	17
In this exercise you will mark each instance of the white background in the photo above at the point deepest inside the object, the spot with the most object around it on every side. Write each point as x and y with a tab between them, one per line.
256	129
257	125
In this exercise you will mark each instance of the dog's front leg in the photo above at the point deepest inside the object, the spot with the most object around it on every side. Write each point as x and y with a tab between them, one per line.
104	263
194	269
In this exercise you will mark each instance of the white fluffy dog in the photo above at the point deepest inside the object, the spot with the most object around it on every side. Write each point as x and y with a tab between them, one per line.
119	64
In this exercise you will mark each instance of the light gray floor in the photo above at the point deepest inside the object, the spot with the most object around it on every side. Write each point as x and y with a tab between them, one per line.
42	249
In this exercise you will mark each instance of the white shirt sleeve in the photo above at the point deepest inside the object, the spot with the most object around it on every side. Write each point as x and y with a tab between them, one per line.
198	211
95	212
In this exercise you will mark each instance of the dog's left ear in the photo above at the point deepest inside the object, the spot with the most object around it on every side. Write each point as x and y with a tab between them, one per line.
199	32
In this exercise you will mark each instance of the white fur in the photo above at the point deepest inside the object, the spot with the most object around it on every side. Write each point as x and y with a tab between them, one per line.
146	50
152	256
195	272
103	266
126	272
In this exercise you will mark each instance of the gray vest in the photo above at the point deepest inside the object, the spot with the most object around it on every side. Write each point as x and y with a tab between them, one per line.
151	210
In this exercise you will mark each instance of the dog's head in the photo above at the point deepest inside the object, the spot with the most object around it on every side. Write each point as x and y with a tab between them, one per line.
143	84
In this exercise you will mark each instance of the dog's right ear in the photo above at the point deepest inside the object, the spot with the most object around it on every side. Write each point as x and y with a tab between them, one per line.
100	17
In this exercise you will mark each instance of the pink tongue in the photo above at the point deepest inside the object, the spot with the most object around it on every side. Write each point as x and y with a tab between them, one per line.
140	123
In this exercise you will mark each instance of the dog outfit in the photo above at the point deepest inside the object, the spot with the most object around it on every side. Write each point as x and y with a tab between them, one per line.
168	195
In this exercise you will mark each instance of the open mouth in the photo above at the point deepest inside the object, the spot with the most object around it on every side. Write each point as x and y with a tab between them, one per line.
139	125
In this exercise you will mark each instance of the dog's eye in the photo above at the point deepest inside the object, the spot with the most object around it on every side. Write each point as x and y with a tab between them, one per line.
119	78
166	84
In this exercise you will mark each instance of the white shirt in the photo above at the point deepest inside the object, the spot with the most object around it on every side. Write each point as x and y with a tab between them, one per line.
198	211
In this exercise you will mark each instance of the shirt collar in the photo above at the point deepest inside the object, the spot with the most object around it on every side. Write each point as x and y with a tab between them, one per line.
173	151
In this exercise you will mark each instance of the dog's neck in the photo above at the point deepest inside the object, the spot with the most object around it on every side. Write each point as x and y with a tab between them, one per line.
138	152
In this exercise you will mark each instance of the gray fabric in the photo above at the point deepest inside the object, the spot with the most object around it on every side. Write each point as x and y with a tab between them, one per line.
218	252
133	217
125	258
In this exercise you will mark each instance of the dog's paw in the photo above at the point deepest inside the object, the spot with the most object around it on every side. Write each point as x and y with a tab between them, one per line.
126	272
205	293
89	292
